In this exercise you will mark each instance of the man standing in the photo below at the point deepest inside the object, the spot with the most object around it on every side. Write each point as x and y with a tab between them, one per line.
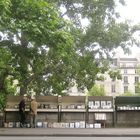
33	109
22	111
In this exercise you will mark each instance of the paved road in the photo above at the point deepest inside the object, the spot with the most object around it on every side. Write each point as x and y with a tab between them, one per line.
105	132
69	138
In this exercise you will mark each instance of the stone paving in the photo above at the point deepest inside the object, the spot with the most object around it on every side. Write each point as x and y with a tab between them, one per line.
105	132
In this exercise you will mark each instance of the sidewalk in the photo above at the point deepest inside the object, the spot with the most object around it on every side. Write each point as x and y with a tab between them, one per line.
69	132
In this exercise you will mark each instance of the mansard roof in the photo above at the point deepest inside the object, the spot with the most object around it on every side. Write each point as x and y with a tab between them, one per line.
128	59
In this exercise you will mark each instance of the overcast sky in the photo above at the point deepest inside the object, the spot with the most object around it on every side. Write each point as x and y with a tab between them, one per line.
132	12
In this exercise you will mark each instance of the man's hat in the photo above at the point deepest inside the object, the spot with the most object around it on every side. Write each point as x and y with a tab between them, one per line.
33	98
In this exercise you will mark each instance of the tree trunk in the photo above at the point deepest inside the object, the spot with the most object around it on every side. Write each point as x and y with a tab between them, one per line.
23	90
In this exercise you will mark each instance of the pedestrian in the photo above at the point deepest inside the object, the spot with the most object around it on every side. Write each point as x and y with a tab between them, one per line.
22	114
33	112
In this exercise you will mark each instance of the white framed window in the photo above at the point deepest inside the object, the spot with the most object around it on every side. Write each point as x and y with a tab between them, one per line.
125	71
125	79
136	79
125	89
113	88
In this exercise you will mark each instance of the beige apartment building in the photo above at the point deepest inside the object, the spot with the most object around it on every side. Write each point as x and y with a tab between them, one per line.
129	69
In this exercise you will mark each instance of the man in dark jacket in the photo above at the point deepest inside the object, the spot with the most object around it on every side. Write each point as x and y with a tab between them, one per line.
22	114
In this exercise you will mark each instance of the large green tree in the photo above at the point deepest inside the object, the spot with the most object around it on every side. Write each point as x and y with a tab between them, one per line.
49	53
97	90
40	45
5	76
97	41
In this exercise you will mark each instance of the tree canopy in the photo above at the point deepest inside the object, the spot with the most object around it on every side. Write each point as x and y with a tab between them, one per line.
97	41
97	90
40	45
46	49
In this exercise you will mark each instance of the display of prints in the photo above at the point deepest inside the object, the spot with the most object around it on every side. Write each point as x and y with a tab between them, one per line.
109	104
100	116
91	104
97	104
103	104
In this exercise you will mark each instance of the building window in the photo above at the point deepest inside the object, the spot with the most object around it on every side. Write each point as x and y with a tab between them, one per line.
113	88
114	62
123	65
125	71
137	89
125	79
125	89
136	79
136	71
113	80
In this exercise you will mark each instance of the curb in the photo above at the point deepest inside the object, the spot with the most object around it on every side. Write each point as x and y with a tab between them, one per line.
71	135
65	135
133	132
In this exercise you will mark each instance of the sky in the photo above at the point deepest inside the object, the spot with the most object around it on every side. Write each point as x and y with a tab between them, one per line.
132	12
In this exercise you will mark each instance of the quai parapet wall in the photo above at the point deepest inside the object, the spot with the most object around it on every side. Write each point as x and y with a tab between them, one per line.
78	111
